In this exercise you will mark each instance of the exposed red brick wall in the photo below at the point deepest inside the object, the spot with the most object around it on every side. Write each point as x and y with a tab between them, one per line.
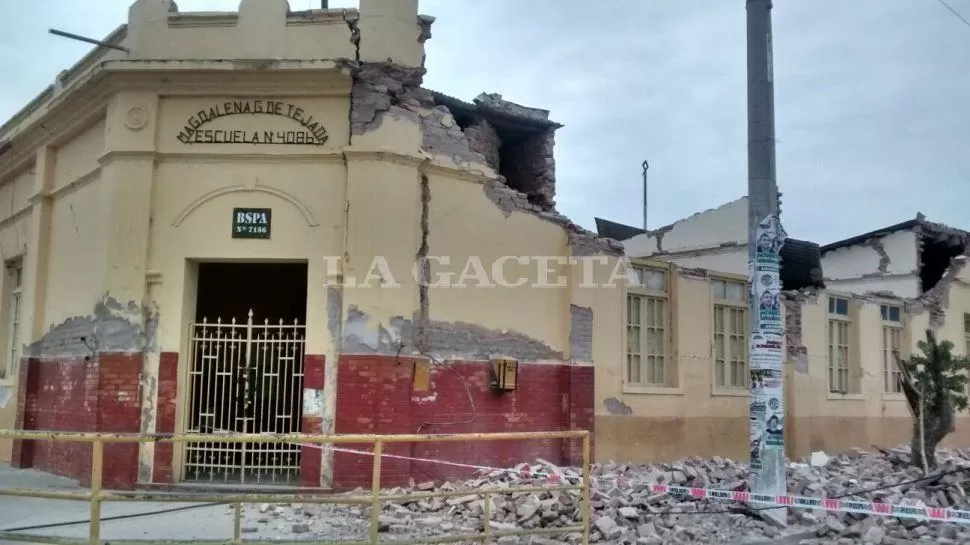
311	457
313	366
168	365
119	410
70	394
582	413
375	395
22	455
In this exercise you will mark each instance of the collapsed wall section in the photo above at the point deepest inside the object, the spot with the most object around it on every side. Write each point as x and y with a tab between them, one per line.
512	145
509	149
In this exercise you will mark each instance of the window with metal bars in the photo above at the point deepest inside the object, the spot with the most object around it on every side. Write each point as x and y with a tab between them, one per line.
839	342
647	328
730	333
12	296
892	345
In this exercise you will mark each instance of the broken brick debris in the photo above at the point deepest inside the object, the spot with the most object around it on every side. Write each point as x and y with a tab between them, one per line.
625	511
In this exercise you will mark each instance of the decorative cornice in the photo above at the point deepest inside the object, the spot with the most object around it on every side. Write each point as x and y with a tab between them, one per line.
387	155
90	92
16	216
243	188
448	169
76	183
131	155
334	156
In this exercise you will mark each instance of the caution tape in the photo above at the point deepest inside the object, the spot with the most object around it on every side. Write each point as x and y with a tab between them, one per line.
924	513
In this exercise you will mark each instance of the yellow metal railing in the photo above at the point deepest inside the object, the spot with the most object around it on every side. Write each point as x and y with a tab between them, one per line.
95	495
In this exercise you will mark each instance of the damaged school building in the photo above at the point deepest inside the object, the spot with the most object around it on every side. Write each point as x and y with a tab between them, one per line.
847	306
238	222
191	223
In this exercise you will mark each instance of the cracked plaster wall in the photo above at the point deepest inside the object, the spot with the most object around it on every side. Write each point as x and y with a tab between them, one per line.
443	340
887	263
385	89
112	326
709	233
580	333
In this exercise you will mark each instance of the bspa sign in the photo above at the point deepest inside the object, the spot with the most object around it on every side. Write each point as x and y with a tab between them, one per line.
307	131
251	222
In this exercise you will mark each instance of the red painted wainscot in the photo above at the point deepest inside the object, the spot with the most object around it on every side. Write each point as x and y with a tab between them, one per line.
71	394
168	383
375	395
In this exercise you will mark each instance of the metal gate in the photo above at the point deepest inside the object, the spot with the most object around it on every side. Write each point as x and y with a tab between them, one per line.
244	378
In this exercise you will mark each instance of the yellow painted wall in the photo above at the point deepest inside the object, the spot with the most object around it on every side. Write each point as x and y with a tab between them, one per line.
14	195
468	228
8	415
14	239
79	156
667	423
75	273
200	195
691	420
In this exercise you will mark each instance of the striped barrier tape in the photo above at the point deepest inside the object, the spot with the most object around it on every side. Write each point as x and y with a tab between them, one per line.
924	513
945	514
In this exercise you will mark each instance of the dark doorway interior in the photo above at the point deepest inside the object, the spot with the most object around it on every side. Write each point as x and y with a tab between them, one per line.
247	376
273	291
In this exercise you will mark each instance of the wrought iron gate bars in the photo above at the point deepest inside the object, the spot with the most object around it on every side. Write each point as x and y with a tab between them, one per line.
244	378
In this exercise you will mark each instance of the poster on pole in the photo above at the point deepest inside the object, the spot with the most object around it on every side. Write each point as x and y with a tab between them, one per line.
766	354
756	434
766	274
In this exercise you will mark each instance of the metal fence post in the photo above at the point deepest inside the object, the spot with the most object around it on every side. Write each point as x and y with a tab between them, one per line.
587	487
487	515
97	461
237	523
375	509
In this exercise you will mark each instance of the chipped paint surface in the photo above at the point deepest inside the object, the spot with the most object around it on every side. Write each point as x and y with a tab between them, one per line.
581	333
616	407
446	340
111	327
425	399
312	402
796	350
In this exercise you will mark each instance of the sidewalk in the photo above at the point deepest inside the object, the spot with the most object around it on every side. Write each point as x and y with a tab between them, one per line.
213	522
209	522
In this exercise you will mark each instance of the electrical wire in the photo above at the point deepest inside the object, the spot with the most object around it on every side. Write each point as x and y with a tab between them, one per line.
116	517
954	12
468	392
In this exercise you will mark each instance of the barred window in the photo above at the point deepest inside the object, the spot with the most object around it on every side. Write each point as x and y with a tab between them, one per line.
647	327
730	333
11	287
892	335
839	344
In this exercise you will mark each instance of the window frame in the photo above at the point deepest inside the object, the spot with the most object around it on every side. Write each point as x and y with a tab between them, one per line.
13	279
717	388
889	327
671	382
849	321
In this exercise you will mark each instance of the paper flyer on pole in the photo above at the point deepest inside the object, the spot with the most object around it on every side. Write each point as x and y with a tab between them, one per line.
766	351
766	278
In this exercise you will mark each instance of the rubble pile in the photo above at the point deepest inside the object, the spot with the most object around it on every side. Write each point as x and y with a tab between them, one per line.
626	511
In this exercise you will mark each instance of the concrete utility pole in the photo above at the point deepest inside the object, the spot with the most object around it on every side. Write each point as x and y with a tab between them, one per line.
765	238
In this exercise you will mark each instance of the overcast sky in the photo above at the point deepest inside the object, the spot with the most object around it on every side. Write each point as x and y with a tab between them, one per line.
872	97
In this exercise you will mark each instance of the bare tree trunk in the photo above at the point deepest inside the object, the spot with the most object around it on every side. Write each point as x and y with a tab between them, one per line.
936	426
